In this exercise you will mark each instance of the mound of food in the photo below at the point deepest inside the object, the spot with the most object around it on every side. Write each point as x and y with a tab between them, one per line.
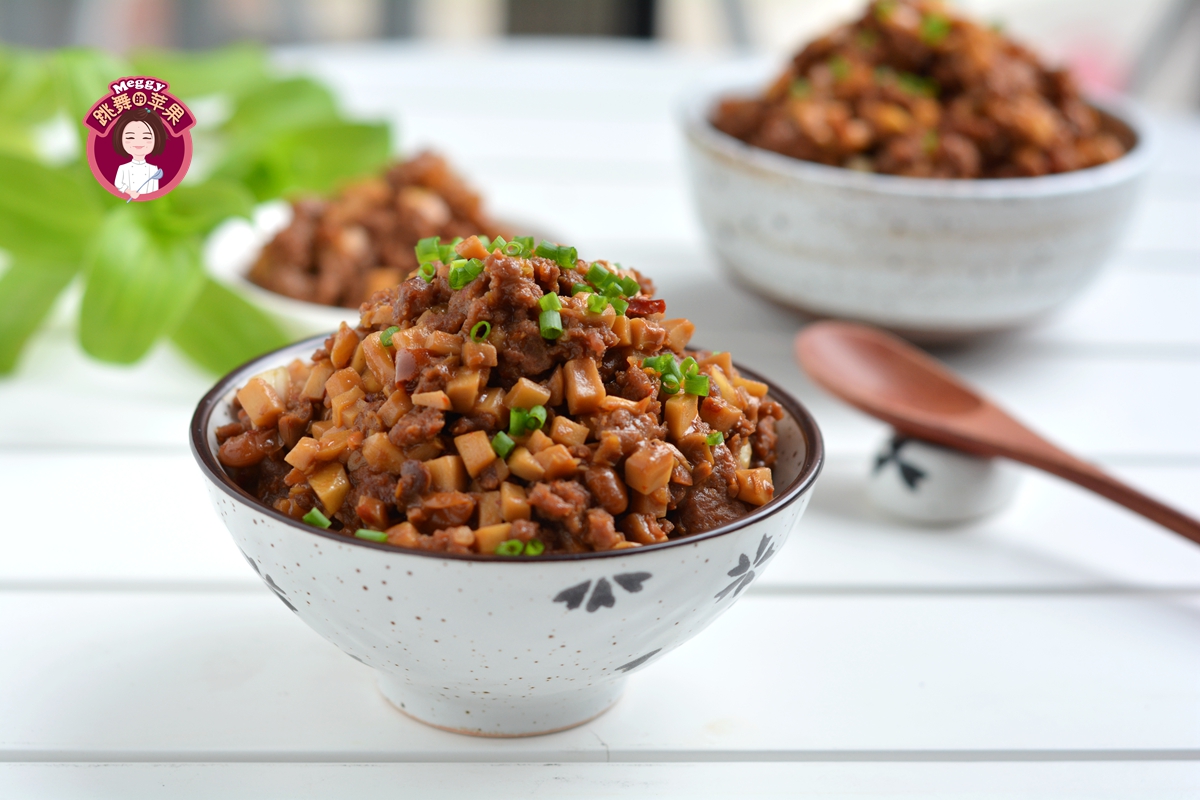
508	399
912	89
339	252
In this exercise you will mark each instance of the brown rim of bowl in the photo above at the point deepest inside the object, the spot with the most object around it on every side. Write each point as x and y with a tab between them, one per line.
814	459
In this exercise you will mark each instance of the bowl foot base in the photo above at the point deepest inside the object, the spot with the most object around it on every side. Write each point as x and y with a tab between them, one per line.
500	715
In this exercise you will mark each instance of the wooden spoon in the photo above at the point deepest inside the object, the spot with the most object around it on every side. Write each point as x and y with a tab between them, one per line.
890	379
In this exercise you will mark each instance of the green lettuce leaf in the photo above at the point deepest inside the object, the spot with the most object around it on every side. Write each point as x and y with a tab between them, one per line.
199	208
313	159
279	106
46	215
222	330
27	291
139	287
82	76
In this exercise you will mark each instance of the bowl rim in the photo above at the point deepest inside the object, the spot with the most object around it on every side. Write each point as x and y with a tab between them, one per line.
694	114
810	468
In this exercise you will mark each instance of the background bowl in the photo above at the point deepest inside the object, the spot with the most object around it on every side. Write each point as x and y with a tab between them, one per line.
929	258
504	647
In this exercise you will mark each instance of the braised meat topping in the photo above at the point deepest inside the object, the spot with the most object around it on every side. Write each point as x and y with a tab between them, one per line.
913	89
507	398
339	252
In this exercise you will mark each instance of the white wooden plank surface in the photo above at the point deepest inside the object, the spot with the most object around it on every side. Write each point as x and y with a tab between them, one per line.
695	781
1062	629
214	676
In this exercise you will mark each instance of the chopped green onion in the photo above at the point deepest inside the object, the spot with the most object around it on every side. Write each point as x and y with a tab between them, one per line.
534	547
562	255
427	271
481	330
612	289
526	243
596	303
629	287
567	256
934	29
315	517
463	271
535	419
660	364
550	302
497	244
915	84
503	444
370	535
427	250
513	547
688	367
598	276
696	384
840	68
516	250
670	384
517	419
550	323
483	240
580	287
385	338
446	251
619	305
715	438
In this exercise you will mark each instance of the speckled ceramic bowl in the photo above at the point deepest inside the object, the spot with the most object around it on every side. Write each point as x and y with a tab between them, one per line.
932	259
504	647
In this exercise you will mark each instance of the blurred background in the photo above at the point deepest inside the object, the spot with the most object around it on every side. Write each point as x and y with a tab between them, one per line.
1149	47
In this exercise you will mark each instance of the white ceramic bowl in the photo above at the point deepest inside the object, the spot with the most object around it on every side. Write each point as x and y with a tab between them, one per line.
933	259
504	647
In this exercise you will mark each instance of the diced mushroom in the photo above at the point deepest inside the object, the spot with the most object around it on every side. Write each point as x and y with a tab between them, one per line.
381	454
564	431
261	402
447	474
489	509
522	464
538	442
343	407
403	535
379	359
557	462
513	505
342	381
437	399
526	394
679	413
397	405
345	343
679	333
314	387
582	386
462	390
489	537
478	355
720	414
330	485
754	388
476	451
755	486
649	468
444	344
304	454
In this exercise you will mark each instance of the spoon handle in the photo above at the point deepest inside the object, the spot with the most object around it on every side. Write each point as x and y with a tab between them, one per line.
1122	493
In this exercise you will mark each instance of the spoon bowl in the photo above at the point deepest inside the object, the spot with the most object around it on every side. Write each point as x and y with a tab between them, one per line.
890	379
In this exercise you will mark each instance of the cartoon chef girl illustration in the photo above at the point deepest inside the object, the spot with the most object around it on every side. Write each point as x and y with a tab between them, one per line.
138	133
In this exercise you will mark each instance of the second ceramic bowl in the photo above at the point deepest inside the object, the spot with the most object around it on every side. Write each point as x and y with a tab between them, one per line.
504	647
933	259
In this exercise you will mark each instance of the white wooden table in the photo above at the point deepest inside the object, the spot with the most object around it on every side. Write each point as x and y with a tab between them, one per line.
1052	651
